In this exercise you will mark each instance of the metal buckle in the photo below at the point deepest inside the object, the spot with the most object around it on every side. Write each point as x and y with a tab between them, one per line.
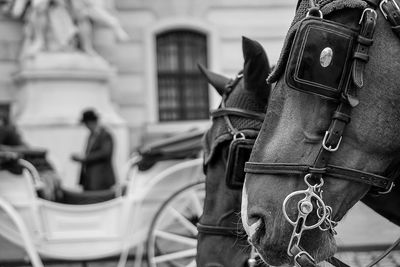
330	149
370	10
387	191
298	255
385	2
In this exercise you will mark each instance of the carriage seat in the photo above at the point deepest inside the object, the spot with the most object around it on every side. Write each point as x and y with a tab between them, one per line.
51	189
86	197
182	146
9	157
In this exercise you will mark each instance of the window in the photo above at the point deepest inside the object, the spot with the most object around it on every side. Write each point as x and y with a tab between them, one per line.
182	91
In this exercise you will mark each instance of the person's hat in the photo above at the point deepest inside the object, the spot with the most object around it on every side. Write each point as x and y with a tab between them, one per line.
88	115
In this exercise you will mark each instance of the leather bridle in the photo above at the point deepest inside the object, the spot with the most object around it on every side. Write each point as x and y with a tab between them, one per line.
321	168
225	112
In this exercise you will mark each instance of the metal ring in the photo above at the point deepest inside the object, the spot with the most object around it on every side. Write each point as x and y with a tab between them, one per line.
285	202
320	15
387	191
306	227
313	186
239	135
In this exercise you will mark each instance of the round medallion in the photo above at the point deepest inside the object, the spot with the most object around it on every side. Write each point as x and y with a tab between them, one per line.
326	56
306	207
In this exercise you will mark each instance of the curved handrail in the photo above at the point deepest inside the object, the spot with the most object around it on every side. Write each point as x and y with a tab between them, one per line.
23	230
37	181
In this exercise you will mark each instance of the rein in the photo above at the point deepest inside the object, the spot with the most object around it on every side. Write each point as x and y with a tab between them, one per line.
344	96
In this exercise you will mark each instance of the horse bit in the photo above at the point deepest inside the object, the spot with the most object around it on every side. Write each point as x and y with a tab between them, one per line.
313	199
224	112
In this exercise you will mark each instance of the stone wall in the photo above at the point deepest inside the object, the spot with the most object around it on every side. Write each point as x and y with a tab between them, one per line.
224	21
133	88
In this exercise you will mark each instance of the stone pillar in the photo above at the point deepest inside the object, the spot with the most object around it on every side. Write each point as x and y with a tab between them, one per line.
53	89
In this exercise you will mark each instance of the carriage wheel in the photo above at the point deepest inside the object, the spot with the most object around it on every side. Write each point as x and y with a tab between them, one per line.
172	239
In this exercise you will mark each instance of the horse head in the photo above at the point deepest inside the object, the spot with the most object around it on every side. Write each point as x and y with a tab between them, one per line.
330	135
221	239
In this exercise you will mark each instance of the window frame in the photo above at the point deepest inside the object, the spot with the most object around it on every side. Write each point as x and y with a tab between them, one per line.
182	74
150	111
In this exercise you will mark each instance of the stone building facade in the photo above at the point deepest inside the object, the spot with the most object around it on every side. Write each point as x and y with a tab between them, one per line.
153	25
222	21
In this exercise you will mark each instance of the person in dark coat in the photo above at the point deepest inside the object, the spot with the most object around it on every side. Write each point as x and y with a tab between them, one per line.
96	172
9	135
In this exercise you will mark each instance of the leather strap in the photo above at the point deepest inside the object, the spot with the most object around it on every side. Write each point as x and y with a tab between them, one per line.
364	41
330	170
336	262
301	258
333	137
391	11
373	3
220	230
238	112
385	253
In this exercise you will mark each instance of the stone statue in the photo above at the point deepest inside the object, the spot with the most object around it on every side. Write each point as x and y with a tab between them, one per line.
48	27
61	25
86	12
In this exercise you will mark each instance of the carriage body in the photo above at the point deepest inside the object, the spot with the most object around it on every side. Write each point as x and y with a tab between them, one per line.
97	230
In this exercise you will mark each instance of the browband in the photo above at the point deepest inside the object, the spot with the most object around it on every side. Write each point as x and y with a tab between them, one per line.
330	170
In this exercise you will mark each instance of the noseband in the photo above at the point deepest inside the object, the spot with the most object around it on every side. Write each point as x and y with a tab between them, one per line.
239	143
338	85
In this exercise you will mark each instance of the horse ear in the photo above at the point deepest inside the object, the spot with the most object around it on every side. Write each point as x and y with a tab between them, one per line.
217	81
256	68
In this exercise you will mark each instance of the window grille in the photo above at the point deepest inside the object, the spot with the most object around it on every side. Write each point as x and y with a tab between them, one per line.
182	91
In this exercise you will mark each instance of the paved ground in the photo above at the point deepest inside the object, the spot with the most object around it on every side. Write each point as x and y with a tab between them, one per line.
360	229
364	258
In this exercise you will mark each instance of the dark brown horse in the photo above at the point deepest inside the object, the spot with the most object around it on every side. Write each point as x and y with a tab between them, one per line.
221	239
330	135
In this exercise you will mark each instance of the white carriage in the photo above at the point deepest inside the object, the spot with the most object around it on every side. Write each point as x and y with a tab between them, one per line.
158	207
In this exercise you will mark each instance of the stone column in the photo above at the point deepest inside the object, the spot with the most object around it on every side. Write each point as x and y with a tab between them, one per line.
54	88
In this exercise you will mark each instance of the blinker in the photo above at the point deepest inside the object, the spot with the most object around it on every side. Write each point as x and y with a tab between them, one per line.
239	154
320	58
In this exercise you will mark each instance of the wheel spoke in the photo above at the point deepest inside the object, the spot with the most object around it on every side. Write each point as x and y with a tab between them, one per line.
176	255
176	238
182	219
173	234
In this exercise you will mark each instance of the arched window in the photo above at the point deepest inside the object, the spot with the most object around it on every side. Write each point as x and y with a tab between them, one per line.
182	91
